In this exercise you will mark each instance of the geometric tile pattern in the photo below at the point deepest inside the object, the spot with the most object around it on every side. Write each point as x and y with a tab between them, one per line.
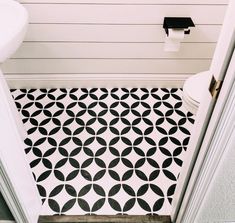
105	151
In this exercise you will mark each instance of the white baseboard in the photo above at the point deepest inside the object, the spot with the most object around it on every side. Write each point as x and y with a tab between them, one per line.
95	80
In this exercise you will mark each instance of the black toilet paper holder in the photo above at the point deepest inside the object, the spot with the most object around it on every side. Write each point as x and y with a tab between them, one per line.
178	23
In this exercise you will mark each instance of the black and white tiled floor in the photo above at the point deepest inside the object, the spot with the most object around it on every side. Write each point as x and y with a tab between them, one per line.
105	151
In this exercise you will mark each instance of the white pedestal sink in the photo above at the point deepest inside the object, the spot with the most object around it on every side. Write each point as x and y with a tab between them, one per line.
13	25
16	181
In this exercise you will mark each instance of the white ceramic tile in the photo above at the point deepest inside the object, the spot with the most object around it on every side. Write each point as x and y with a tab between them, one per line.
84	144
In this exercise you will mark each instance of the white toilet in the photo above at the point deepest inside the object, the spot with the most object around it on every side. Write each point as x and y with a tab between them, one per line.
193	90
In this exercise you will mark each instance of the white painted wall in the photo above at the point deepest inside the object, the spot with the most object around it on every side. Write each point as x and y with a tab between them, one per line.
110	39
17	184
219	202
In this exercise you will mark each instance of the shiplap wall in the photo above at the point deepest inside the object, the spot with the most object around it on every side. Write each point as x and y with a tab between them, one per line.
115	42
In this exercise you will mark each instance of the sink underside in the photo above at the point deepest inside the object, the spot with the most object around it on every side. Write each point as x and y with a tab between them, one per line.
13	25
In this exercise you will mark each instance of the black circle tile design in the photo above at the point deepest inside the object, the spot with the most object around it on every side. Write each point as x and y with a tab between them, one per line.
105	151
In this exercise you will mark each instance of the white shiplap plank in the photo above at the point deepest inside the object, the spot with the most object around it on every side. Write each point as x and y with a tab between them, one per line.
122	14
112	41
115	33
194	2
57	66
112	50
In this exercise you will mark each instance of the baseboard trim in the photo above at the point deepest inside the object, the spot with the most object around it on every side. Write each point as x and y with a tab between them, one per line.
95	80
105	219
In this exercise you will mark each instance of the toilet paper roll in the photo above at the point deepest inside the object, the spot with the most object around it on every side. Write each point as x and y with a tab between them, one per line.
172	41
176	34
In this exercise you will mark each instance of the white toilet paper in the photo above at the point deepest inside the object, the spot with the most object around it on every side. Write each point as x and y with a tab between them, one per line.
172	41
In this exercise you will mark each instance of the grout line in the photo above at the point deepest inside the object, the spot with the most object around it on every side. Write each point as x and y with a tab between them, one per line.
103	42
97	73
74	58
112	24
85	3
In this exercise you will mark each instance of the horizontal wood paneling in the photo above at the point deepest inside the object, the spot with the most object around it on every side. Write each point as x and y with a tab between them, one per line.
113	39
115	33
165	2
113	50
139	66
122	14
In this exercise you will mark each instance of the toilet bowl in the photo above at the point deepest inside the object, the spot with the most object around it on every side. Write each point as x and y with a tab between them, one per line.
193	90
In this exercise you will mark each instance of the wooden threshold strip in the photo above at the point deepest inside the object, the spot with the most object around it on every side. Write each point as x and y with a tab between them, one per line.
104	219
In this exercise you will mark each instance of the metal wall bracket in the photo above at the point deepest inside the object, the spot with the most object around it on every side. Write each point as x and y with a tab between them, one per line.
215	87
